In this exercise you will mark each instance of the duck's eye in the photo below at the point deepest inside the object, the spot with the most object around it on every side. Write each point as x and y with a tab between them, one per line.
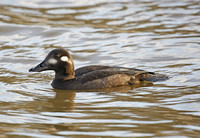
57	56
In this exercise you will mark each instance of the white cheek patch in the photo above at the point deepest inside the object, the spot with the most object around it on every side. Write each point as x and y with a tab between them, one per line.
52	61
64	59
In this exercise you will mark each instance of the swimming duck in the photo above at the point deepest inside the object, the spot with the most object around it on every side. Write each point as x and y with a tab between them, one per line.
93	76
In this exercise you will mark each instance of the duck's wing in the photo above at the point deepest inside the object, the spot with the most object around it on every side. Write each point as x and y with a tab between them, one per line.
103	79
87	69
134	75
116	76
91	68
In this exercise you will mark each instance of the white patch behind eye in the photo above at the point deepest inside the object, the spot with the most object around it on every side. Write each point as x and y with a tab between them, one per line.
52	61
64	59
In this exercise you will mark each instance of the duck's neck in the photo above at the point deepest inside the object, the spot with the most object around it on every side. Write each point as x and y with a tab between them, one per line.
65	74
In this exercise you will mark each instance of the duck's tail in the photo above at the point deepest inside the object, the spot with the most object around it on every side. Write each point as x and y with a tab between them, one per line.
153	77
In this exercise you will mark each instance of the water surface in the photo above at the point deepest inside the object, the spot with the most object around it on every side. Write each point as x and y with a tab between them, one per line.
161	36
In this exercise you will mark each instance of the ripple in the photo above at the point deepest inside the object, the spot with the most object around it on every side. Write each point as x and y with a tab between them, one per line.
160	36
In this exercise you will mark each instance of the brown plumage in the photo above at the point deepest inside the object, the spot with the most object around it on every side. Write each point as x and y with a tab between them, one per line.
91	77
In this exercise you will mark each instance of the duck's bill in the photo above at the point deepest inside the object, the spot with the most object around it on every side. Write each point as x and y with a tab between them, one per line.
40	67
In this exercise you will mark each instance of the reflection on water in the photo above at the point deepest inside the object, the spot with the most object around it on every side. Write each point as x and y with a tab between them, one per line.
161	36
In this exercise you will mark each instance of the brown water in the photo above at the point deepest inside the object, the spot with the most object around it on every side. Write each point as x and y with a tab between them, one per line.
161	36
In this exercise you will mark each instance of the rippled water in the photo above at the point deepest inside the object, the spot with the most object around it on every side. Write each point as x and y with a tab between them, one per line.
161	36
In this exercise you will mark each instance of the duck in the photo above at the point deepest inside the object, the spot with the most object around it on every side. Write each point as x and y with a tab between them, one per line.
91	76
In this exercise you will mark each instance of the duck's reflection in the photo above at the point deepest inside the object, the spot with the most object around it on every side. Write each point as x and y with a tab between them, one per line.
64	99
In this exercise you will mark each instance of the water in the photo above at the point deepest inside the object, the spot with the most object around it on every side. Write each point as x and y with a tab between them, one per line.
161	36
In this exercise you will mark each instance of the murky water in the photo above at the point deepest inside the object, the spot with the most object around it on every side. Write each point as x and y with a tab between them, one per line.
161	36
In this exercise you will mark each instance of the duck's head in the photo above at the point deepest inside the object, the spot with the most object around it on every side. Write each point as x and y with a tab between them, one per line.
58	60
